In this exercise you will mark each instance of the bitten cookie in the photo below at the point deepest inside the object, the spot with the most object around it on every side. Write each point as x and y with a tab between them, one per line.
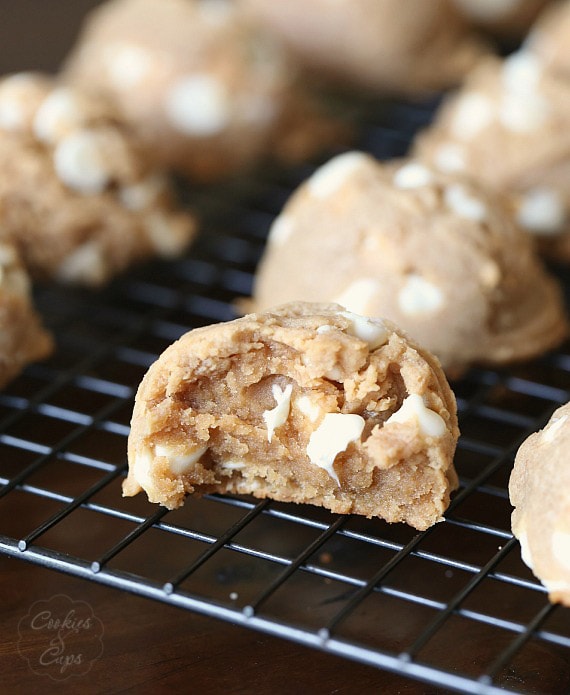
435	253
506	18
22	337
304	403
539	490
508	126
208	94
400	46
77	195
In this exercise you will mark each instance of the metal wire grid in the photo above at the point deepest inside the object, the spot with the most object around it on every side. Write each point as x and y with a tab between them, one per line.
453	606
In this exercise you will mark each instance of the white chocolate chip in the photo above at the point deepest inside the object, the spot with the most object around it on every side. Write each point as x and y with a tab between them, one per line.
357	296
550	432
332	436
412	175
57	115
329	178
18	100
414	408
278	415
143	194
280	230
8	255
167	233
80	164
561	547
141	470
308	408
450	158
521	71
419	297
180	463
127	65
198	105
542	211
371	331
523	112
474	112
462	203
232	465
85	265
490	274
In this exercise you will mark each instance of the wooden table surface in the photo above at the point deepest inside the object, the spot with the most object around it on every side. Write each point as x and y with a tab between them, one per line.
148	647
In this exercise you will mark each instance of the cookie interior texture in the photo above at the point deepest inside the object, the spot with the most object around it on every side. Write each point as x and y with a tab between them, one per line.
539	490
304	403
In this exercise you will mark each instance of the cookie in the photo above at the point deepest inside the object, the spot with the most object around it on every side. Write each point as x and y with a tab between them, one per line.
505	18
305	403
508	127
23	339
436	253
207	93
398	46
539	489
549	37
78	195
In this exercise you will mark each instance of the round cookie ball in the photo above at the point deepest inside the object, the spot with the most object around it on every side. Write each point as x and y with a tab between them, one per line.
78	195
435	253
208	94
399	46
508	126
305	403
22	336
505	18
539	489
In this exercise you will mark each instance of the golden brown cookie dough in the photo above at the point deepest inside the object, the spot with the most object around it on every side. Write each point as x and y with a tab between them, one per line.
539	490
508	126
506	18
209	95
77	194
304	403
435	253
549	39
400	46
22	337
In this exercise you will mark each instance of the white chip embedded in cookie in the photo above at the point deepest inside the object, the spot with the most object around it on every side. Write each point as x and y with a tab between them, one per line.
539	490
304	403
438	254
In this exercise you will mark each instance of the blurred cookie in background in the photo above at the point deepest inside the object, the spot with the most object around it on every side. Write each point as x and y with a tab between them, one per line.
206	92
78	195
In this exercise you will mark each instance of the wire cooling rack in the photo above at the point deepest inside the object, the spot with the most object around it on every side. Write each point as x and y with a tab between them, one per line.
453	606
